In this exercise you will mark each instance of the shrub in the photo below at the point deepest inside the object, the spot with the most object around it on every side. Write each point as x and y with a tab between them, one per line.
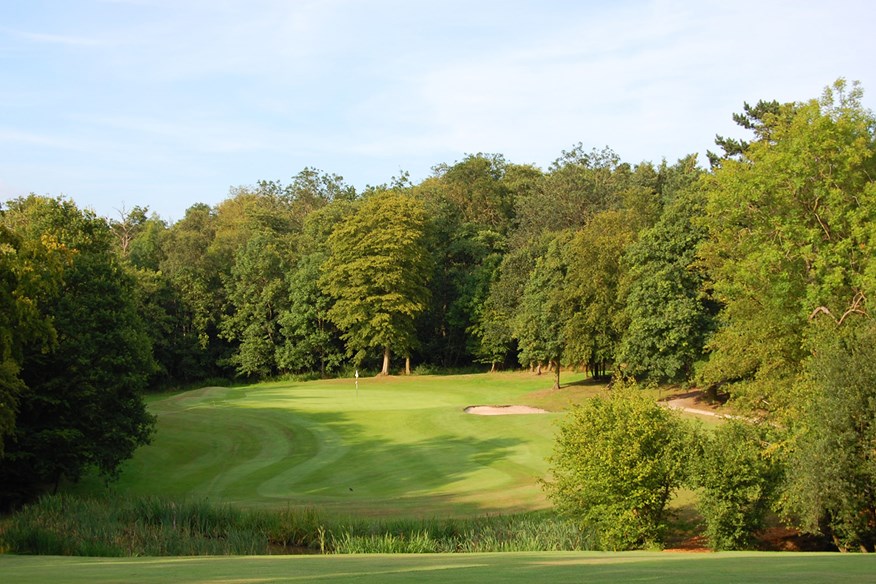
738	478
831	478
615	465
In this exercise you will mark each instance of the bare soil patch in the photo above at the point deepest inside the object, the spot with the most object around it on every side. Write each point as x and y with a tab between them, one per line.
695	402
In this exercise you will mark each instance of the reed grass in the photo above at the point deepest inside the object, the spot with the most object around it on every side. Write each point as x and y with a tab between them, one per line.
76	526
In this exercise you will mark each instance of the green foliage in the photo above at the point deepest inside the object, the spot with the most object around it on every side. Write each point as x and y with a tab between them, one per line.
670	318
475	189
497	324
310	340
195	277
469	206
738	473
615	465
71	526
592	303
831	479
538	324
63	525
29	270
83	406
578	185
790	237
377	273
258	293
147	248
500	533
128	227
754	118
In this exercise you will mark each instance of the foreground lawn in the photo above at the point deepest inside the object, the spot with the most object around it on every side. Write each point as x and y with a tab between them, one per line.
558	567
399	446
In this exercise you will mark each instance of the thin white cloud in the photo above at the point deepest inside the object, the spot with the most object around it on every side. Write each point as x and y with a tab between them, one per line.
195	40
195	96
647	75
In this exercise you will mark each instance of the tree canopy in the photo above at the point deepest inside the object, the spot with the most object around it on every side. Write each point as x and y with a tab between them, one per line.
377	272
752	278
83	406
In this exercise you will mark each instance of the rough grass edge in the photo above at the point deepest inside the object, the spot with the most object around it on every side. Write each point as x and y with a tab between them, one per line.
67	525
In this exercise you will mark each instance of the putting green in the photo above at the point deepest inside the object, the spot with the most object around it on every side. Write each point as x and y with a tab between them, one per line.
556	567
396	446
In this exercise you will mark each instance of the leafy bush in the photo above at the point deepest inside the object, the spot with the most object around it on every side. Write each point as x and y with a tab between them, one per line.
426	369
616	463
831	486
738	478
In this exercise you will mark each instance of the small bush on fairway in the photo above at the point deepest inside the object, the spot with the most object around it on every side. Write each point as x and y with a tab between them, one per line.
615	465
738	480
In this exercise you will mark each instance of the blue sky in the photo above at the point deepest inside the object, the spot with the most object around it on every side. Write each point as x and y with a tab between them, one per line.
117	103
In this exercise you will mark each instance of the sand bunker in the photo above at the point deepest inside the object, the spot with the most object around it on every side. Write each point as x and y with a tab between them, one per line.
502	410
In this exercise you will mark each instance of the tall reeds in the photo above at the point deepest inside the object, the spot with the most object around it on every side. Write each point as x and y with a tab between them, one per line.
67	525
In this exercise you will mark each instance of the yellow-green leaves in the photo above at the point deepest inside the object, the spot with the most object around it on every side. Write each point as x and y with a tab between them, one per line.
377	272
616	462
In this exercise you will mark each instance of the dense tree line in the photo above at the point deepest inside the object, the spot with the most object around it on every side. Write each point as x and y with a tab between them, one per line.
751	278
756	281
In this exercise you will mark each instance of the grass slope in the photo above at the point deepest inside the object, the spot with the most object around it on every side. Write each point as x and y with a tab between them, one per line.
397	446
556	568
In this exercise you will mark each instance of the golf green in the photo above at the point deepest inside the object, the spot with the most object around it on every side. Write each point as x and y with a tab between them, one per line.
399	446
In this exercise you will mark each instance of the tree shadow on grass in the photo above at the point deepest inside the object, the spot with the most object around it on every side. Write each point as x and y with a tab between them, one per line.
286	458
588	382
360	470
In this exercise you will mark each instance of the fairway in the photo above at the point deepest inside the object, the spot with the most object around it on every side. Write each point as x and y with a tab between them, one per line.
398	446
557	567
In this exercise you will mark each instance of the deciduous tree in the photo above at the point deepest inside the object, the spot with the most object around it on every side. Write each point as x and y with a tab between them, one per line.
790	240
538	324
377	273
670	315
738	473
592	305
30	271
831	486
83	407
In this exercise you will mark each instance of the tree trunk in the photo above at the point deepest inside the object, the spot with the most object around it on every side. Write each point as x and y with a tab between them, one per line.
407	365
493	367
385	370
557	380
538	369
